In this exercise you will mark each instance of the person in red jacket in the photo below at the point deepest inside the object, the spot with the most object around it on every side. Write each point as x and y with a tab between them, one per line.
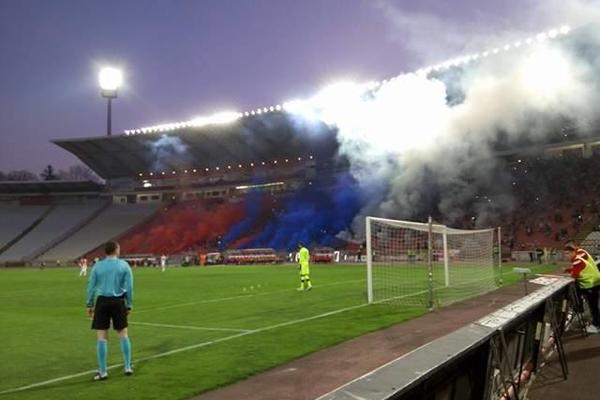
583	268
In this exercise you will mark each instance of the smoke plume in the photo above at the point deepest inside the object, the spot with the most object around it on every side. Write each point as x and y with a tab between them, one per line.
427	139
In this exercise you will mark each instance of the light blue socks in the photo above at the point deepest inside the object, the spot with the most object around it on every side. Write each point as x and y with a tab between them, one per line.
101	352
126	350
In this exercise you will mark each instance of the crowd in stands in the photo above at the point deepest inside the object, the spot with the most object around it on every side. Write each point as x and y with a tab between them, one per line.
557	199
553	200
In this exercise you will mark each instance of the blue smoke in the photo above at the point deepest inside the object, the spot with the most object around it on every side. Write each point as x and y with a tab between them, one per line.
312	216
253	211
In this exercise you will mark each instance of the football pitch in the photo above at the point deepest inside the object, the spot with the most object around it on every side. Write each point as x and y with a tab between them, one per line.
192	329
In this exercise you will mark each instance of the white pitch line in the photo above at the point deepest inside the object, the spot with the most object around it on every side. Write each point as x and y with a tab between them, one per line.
241	296
187	348
199	345
199	328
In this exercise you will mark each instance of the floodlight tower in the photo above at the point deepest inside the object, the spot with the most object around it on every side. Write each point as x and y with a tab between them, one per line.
110	80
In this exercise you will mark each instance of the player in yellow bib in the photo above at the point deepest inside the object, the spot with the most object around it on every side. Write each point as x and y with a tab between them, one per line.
303	260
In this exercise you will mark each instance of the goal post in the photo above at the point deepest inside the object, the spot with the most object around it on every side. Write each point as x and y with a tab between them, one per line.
427	264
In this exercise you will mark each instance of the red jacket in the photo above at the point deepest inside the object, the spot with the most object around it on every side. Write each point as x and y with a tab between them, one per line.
577	265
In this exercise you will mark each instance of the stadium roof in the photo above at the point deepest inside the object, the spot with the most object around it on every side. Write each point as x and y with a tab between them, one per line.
250	140
47	187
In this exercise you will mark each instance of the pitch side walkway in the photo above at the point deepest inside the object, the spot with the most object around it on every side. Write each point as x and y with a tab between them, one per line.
317	374
583	358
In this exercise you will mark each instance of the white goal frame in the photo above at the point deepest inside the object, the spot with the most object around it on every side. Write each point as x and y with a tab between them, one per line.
430	228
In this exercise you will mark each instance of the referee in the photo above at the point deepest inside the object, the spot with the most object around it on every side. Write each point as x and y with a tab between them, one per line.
111	279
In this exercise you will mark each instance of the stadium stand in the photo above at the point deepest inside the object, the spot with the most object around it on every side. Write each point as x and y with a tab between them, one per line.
60	220
16	219
110	223
190	225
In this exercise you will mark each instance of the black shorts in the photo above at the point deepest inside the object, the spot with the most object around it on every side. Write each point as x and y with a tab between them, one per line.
107	309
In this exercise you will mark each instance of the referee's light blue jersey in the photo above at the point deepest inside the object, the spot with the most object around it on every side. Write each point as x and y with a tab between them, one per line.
110	277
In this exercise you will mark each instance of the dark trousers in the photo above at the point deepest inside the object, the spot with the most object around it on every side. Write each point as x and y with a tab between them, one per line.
591	295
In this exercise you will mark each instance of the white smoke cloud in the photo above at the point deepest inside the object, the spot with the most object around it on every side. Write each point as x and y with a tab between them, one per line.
168	151
406	136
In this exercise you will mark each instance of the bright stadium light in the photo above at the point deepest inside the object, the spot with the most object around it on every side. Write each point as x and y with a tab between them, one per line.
110	80
565	29
546	73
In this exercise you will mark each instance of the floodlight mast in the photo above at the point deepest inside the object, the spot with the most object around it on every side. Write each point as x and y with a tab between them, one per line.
110	80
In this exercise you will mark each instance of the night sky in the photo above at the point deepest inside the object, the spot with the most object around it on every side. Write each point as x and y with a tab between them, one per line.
183	59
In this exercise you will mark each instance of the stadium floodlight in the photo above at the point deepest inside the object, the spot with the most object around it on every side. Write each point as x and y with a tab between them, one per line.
110	80
541	37
151	174
278	107
272	108
252	164
553	33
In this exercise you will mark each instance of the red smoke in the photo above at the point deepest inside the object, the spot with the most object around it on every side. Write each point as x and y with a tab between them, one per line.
186	226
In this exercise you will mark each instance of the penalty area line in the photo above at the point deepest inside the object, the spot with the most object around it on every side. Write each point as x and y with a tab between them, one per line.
241	296
187	348
199	328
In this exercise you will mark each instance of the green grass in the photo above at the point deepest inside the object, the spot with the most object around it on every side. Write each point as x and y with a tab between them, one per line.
259	321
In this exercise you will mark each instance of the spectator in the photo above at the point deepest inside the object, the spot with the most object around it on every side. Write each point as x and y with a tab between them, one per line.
584	270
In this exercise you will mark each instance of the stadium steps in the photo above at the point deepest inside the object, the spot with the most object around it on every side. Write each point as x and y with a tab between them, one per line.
107	225
586	229
142	225
44	249
31	227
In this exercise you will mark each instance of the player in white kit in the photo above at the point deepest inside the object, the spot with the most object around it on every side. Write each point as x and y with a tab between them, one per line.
163	263
83	264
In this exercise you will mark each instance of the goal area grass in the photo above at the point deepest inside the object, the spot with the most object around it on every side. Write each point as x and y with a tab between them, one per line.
192	329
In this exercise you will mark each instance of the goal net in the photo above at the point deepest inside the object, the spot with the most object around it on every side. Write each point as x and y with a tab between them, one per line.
428	265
